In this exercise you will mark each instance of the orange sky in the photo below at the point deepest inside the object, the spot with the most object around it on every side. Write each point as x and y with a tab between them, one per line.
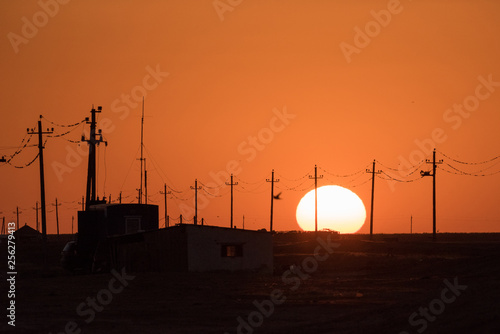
350	98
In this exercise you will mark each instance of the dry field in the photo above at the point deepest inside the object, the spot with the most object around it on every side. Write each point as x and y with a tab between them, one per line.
391	284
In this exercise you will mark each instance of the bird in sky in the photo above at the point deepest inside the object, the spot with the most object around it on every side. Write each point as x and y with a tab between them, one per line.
277	196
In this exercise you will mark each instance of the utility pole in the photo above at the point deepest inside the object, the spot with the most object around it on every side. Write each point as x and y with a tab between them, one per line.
72	223
232	184
316	177
57	215
373	172
142	148
94	139
120	198
36	216
3	226
195	201
165	193
243	221
428	173
42	177
272	180
411	224
145	183
17	212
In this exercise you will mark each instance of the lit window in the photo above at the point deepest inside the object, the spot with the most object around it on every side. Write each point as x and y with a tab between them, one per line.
232	250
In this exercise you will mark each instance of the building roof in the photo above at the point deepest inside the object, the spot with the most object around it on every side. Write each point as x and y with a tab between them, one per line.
26	232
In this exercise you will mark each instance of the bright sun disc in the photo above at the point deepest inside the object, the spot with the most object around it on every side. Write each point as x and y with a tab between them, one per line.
339	209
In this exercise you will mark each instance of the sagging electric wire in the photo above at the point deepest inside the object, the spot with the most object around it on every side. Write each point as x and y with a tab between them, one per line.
294	180
63	125
390	178
346	175
461	172
468	163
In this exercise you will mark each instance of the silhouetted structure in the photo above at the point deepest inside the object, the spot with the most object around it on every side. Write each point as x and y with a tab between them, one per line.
192	248
101	221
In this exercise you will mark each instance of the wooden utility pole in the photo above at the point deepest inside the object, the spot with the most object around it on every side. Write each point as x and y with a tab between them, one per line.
232	184
316	177
272	180
165	193
40	133
373	172
427	173
17	212
72	223
195	218
142	148
57	215
120	198
36	216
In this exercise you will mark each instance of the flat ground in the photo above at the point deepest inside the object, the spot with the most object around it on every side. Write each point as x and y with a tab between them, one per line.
363	286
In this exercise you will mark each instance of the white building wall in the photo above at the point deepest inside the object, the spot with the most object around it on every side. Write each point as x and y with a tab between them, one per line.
204	249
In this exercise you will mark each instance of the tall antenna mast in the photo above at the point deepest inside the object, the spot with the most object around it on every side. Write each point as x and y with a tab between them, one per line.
142	146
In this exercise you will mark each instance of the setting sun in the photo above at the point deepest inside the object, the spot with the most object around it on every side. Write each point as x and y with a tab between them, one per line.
339	209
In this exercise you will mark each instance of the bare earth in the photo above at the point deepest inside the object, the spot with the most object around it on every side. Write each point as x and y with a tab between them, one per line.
363	286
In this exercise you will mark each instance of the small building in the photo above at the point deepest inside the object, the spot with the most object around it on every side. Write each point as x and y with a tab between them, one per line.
102	221
26	232
192	248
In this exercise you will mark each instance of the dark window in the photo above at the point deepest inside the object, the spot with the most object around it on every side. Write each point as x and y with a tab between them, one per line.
132	224
232	250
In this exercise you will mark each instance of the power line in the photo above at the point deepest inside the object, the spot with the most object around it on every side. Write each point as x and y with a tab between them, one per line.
470	163
64	125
